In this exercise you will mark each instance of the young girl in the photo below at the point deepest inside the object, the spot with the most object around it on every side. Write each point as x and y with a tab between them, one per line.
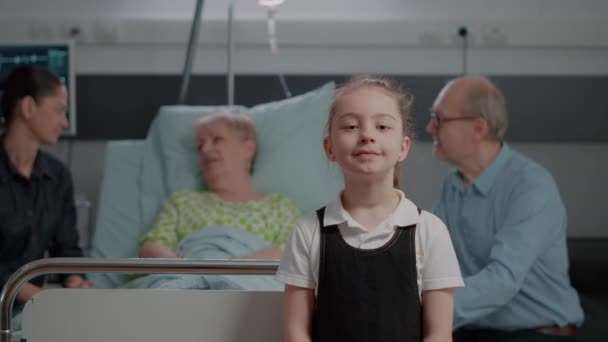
370	266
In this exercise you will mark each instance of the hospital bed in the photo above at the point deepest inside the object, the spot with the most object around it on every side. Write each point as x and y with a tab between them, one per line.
139	175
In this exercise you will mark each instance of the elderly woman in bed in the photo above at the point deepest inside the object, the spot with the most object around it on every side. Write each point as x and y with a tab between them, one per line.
226	149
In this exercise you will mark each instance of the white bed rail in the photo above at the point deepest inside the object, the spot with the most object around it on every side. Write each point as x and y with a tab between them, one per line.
91	265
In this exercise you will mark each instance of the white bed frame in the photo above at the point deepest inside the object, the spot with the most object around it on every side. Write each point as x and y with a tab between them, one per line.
150	315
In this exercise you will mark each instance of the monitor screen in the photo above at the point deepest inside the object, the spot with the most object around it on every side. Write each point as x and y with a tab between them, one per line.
58	57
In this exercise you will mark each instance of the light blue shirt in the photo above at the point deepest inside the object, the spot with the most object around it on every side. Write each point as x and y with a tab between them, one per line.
509	232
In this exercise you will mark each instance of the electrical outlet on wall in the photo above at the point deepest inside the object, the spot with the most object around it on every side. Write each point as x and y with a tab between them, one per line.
430	39
493	35
41	31
105	32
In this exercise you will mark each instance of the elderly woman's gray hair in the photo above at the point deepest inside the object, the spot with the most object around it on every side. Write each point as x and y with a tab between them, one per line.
239	123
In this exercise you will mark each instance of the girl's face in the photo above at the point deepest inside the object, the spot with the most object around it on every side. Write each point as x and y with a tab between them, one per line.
47	117
366	133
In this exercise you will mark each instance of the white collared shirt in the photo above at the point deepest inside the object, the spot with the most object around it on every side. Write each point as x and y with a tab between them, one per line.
436	263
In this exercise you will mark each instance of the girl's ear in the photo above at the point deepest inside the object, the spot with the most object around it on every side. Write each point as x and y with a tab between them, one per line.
406	143
327	147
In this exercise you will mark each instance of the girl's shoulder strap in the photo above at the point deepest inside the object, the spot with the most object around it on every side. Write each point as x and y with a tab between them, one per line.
320	214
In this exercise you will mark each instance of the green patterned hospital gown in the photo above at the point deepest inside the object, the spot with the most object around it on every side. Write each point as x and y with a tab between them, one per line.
272	218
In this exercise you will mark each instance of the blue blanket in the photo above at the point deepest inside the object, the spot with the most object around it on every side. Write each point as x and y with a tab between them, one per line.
214	243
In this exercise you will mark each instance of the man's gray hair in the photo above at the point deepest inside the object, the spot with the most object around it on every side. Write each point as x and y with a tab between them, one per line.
486	100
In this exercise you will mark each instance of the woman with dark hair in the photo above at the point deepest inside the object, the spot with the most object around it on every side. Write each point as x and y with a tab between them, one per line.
37	212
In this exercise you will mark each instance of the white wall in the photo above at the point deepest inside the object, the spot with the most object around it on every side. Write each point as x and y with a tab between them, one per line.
311	9
321	36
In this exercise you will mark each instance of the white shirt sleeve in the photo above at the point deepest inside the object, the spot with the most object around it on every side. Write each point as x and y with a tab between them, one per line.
295	267
440	268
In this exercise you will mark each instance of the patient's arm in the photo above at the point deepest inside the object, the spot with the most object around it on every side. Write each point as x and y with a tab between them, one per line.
267	254
153	249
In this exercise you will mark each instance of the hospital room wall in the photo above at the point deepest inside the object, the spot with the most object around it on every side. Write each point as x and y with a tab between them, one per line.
316	9
513	38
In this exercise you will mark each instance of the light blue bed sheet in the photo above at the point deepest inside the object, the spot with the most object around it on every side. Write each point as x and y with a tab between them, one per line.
214	243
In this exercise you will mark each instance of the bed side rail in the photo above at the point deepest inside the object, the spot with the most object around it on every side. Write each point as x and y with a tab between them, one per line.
92	265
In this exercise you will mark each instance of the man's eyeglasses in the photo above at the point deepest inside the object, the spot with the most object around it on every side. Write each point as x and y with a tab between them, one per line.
437	120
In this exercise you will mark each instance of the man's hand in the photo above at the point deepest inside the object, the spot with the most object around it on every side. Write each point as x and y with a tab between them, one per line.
77	282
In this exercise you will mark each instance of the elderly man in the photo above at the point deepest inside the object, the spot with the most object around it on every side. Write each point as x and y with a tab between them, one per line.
507	222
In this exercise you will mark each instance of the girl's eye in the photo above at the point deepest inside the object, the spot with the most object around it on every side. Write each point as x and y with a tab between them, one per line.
217	139
350	127
383	127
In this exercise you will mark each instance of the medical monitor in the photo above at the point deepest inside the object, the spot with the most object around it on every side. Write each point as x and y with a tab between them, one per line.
57	57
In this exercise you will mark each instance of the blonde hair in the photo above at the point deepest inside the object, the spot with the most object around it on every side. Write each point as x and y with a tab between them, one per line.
404	102
236	122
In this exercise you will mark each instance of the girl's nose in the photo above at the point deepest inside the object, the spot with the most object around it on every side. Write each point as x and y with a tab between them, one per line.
367	136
